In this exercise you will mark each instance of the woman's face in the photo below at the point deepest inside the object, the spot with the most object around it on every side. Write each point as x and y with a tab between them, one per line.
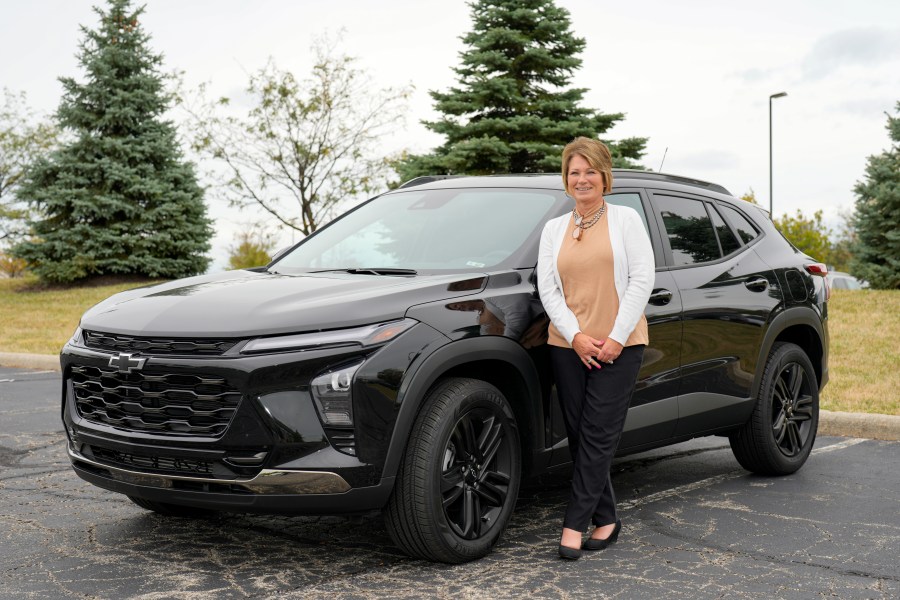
585	182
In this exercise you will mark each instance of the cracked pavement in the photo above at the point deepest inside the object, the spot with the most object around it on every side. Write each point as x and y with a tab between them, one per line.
695	525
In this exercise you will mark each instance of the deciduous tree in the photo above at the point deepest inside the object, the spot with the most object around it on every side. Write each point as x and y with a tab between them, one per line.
23	138
808	234
253	248
304	146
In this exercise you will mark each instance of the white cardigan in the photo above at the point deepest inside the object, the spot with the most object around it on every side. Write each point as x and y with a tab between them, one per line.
633	271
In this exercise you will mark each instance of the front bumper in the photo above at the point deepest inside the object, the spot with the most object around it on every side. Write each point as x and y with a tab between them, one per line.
267	481
300	469
276	492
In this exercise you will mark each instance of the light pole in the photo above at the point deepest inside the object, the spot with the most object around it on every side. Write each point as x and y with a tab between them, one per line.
778	95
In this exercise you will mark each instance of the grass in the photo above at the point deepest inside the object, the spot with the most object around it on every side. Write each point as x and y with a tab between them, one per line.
865	352
864	327
39	319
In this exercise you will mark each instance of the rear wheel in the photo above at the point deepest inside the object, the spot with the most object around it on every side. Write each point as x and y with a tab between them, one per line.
780	434
459	477
172	510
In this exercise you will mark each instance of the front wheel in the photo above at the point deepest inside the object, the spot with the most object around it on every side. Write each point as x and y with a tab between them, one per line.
459	477
780	434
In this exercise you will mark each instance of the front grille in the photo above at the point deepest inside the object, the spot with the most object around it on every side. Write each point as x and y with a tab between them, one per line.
183	466
156	346
193	404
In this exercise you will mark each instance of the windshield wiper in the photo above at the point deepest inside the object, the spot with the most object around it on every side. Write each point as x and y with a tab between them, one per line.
370	271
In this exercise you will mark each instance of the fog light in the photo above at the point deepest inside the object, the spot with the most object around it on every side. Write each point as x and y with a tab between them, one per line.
334	401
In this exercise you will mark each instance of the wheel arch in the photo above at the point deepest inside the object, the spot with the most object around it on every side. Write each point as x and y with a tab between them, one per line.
499	361
801	326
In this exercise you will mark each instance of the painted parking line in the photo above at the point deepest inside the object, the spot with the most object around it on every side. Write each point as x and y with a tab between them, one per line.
25	376
689	487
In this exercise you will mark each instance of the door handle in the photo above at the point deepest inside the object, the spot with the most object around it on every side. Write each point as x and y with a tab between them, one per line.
660	297
757	284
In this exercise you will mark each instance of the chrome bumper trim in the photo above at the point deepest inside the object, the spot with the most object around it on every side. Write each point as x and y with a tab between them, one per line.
269	481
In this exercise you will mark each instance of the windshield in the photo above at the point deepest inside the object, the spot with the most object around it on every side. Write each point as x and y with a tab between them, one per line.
428	231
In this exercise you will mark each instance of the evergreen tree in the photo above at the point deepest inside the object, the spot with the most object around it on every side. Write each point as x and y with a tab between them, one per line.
511	112
119	198
876	254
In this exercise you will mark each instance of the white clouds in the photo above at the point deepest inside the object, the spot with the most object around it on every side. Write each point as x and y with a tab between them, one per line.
867	47
705	160
865	107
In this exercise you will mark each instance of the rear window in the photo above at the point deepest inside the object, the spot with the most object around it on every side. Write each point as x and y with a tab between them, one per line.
743	226
689	229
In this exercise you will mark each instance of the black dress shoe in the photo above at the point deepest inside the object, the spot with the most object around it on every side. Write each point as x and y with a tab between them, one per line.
569	553
592	544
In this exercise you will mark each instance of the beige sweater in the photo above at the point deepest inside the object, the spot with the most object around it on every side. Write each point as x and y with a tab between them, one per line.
585	267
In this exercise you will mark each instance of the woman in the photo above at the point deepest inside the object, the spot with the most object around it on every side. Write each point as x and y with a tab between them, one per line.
595	274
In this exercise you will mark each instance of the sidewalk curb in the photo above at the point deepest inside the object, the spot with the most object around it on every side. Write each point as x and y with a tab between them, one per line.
836	423
863	425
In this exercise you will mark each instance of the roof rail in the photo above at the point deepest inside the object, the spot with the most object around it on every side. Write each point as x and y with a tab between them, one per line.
629	173
635	174
425	179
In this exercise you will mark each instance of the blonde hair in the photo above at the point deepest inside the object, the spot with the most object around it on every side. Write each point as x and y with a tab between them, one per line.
595	153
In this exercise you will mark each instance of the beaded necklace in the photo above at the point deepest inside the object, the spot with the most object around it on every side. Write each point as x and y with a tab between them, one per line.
580	225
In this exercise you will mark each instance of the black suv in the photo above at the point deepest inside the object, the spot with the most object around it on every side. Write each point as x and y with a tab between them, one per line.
397	359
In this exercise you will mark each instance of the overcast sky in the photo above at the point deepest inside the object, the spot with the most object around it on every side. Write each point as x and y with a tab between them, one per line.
693	76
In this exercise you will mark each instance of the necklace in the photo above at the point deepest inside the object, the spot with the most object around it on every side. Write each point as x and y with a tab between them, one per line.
580	225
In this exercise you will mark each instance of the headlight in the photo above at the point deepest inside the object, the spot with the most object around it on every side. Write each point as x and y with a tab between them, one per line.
369	335
331	391
75	340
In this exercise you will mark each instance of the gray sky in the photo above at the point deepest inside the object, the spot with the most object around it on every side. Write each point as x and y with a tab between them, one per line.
693	76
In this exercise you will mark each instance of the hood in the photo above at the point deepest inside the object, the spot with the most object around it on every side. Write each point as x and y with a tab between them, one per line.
239	304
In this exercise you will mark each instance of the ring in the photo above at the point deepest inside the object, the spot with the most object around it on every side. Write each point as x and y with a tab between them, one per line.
609	362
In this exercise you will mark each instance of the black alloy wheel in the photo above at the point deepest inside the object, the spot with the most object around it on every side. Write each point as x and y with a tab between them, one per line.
475	474
792	409
459	477
781	431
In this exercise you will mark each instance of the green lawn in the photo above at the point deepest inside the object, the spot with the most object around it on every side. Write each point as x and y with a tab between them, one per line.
39	319
864	327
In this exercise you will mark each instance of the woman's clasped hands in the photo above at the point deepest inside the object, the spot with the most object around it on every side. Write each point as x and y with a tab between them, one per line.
593	352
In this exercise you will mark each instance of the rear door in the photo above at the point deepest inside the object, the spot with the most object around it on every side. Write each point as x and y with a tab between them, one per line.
727	294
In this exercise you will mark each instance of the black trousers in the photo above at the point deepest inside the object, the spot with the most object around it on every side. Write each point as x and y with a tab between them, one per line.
594	406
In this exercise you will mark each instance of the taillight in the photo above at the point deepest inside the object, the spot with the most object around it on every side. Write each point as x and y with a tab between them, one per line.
816	269
821	270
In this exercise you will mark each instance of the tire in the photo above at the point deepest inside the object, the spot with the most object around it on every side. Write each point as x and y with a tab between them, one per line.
172	510
782	429
459	476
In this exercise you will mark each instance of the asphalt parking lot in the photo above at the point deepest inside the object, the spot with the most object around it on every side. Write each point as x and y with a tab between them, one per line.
695	526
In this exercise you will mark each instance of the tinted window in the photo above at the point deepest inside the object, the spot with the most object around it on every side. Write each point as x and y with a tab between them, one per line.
631	200
747	231
726	236
427	230
689	229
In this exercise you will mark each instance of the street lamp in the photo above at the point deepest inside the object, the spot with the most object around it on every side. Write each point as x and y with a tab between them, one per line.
778	95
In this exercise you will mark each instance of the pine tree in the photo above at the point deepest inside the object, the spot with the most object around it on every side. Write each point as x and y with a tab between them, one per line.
511	112
119	198
876	253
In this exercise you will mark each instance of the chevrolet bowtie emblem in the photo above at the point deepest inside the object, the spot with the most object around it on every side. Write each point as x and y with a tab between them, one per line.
126	363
